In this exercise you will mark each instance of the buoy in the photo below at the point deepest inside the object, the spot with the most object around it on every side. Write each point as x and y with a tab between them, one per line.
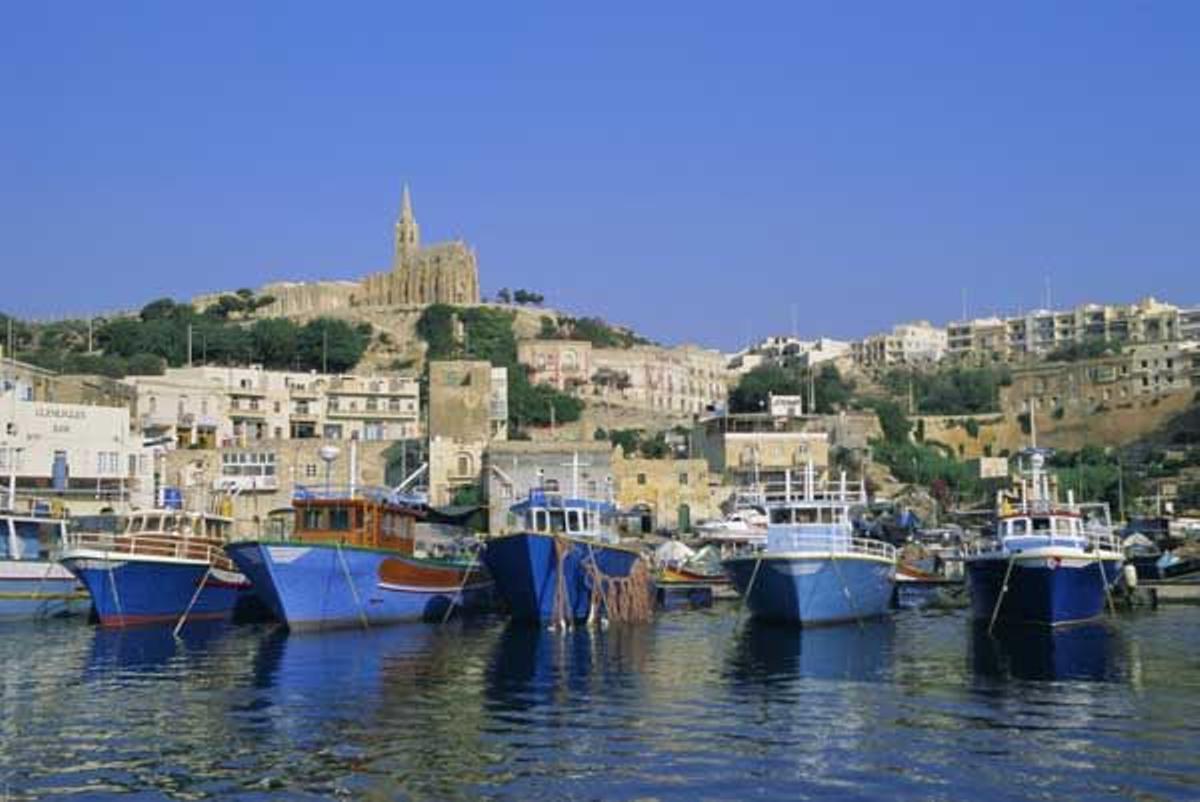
1131	577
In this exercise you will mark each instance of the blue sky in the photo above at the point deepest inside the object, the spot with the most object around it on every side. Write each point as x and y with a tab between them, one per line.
694	170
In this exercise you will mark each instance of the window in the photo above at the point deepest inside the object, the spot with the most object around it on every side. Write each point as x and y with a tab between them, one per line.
339	519
641	478
374	430
683	478
333	432
464	465
310	470
550	485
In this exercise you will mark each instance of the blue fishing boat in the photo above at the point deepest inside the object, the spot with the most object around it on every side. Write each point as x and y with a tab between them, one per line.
566	564
351	562
32	583
814	570
1049	562
154	566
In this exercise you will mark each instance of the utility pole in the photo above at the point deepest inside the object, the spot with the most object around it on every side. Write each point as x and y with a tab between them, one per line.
1120	488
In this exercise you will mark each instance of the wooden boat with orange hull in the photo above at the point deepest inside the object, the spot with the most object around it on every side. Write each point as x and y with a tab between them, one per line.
351	562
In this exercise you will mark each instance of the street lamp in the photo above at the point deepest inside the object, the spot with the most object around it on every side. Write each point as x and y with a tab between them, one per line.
328	455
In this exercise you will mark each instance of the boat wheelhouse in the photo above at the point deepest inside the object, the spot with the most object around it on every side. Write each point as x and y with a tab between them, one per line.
814	569
350	560
153	566
1049	562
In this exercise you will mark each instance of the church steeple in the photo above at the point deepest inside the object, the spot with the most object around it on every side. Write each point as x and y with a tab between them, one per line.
408	233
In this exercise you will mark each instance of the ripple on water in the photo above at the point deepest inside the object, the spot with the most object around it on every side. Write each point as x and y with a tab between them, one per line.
691	707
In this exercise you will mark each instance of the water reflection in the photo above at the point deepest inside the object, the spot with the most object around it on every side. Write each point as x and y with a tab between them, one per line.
770	653
1086	652
149	649
532	665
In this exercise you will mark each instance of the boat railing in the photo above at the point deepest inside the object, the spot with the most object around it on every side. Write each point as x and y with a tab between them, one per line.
356	493
1095	538
145	545
830	543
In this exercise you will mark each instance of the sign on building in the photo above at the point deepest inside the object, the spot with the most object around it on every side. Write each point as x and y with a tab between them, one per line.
787	406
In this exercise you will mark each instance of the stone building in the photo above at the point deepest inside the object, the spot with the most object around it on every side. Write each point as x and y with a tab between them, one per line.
468	409
1042	330
916	343
681	381
758	447
259	478
664	493
207	407
444	272
562	364
81	456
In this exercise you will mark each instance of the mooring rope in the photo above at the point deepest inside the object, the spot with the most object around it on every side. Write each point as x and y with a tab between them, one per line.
561	617
113	583
750	586
362	614
1003	591
1112	608
43	606
462	586
195	596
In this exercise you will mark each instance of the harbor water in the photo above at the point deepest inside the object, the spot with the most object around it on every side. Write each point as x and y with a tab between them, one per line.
694	706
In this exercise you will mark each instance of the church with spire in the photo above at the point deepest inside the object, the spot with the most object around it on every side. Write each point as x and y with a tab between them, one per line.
441	273
444	272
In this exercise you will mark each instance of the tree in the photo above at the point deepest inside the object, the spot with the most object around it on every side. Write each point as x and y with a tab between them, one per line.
504	296
275	342
332	345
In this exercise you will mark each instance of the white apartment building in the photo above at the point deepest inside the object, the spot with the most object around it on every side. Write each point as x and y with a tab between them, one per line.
81	456
915	343
207	407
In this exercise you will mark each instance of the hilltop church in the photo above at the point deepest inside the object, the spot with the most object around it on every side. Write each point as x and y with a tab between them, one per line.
445	272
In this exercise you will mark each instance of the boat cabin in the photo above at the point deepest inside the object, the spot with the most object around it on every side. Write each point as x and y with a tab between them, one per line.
24	537
159	523
1048	526
550	513
823	515
367	520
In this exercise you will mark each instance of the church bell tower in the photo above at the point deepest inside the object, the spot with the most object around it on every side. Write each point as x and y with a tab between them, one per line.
408	233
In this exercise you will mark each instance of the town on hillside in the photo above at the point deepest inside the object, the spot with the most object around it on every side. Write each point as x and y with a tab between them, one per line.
411	378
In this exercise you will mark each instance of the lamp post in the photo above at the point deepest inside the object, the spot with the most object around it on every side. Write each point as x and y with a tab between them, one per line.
328	455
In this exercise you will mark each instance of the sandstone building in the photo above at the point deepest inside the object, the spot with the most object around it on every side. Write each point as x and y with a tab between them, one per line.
445	272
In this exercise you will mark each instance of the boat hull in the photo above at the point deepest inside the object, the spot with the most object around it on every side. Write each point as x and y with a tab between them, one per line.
39	589
526	567
813	589
1043	590
319	586
129	591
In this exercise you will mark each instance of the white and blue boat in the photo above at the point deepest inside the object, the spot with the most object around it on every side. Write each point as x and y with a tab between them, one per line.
351	562
814	570
1049	563
566	563
154	566
32	583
